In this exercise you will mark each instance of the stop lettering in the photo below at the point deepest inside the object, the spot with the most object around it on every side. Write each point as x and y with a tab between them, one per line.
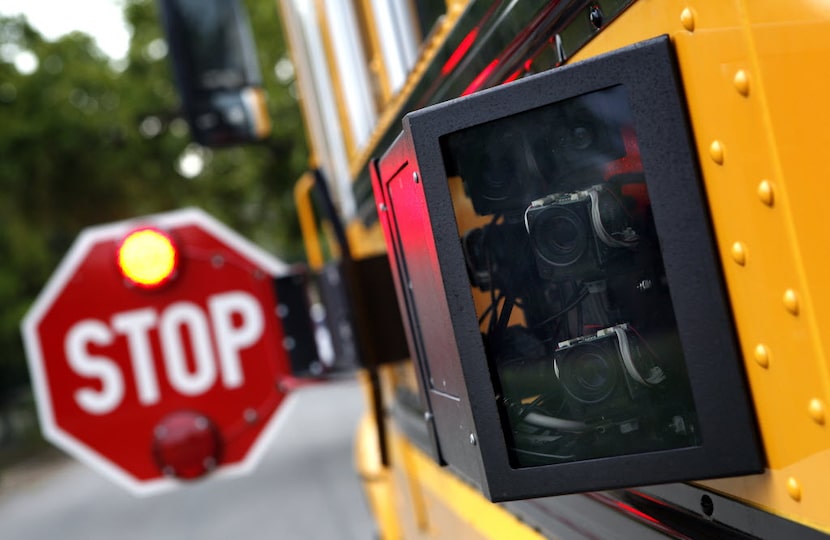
178	323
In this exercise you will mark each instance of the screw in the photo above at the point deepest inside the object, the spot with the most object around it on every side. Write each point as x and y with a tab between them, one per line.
707	505
415	177
644	285
595	16
473	439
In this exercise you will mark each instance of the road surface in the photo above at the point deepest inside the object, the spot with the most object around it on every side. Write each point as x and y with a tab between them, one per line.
305	488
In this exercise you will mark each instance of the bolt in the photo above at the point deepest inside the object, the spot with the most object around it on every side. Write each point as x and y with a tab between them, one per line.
595	16
687	19
791	301
739	253
415	177
707	505
762	355
741	82
794	488
766	193
473	439
716	152
644	285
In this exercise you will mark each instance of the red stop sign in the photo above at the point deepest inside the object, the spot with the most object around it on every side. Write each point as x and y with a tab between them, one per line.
148	384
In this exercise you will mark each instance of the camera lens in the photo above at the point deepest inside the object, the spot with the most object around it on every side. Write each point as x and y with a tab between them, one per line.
587	374
499	165
560	236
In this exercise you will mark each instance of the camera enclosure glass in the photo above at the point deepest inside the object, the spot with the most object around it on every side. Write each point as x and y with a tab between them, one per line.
561	285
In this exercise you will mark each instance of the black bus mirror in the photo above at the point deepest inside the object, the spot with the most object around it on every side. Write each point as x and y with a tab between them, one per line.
216	70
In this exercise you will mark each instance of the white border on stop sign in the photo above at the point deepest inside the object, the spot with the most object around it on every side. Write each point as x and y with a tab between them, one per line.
61	277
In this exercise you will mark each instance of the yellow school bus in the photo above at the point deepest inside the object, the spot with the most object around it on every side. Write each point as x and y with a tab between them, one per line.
577	246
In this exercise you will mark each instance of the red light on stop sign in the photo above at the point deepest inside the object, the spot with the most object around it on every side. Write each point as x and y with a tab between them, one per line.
186	445
148	258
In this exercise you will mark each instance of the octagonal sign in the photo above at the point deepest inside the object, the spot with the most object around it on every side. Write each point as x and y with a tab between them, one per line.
164	361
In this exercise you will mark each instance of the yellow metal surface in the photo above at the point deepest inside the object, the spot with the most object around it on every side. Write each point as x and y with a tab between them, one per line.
376	480
756	87
308	227
436	504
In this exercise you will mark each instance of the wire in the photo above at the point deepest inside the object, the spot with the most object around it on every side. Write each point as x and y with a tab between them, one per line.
552	422
542	454
599	228
489	309
656	375
579	296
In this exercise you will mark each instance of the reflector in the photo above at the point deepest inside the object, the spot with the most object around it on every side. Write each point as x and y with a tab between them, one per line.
147	257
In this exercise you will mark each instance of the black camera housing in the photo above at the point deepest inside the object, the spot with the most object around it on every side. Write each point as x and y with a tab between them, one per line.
476	339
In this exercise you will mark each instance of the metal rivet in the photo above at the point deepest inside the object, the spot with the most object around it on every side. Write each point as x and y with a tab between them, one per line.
707	505
687	19
473	439
595	17
739	253
791	301
741	81
382	207
816	409
716	152
766	193
794	488
762	355
415	177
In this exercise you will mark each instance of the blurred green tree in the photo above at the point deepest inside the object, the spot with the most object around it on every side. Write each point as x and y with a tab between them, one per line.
86	140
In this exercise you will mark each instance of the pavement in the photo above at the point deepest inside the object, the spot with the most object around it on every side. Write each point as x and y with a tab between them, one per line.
305	488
